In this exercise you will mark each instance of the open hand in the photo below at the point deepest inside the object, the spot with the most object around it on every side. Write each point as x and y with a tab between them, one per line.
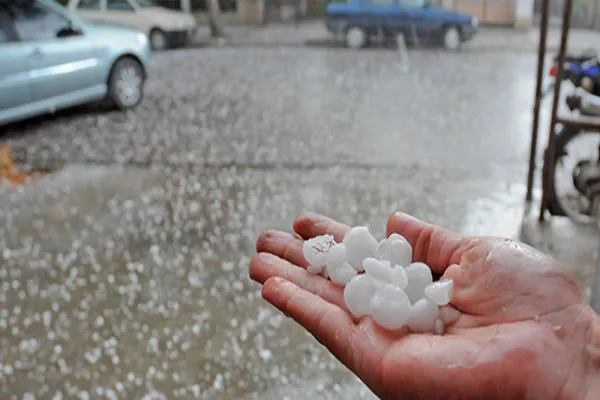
517	326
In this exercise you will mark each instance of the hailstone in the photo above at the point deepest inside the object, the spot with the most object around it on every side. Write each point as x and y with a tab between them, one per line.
440	292
357	295
360	244
341	274
390	307
316	250
315	269
423	315
378	269
419	276
394	291
395	249
399	277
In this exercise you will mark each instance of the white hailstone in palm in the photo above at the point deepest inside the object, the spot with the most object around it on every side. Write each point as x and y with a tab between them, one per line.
339	270
423	315
316	270
438	327
390	307
358	293
378	269
440	292
419	276
395	249
399	277
449	314
337	254
341	274
316	250
360	244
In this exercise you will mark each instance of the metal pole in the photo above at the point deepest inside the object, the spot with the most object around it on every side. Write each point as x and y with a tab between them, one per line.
538	98
595	300
548	171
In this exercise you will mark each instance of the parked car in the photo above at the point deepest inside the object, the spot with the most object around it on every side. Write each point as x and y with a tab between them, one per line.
50	59
165	27
360	20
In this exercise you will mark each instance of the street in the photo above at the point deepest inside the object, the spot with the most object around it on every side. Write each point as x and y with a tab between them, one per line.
126	270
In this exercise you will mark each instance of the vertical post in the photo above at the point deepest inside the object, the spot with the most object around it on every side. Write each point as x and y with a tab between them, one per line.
595	300
538	98
548	171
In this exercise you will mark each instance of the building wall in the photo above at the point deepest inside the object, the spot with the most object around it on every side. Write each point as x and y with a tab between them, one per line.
517	13
497	12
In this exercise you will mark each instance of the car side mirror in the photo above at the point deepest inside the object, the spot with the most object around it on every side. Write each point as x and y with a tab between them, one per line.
68	32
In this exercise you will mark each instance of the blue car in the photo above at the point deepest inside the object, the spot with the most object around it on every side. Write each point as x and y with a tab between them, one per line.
360	20
50	59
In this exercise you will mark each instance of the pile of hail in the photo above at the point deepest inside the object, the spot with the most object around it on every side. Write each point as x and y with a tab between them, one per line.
393	290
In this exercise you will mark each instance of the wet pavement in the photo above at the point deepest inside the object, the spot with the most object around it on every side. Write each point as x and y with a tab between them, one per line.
124	275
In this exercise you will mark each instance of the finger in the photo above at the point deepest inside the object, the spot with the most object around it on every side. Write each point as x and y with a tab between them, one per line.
331	325
283	245
433	245
309	225
265	266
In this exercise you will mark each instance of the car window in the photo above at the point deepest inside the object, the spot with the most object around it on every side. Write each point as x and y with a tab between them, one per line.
3	35
118	5
33	21
3	21
382	2
150	3
89	4
414	3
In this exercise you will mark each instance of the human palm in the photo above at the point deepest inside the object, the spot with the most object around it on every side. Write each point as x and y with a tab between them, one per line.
517	326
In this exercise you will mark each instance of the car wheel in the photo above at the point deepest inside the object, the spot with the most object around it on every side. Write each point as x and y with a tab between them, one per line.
158	40
451	39
126	83
356	37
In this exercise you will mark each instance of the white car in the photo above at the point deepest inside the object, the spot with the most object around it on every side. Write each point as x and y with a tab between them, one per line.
164	27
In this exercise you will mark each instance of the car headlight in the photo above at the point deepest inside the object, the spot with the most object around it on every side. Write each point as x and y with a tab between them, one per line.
142	39
475	22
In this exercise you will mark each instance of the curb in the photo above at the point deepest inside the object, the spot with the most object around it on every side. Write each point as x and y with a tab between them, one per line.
329	44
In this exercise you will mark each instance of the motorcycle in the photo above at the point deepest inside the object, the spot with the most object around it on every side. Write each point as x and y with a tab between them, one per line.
581	177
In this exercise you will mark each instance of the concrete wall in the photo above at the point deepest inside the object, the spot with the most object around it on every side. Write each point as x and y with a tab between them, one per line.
523	14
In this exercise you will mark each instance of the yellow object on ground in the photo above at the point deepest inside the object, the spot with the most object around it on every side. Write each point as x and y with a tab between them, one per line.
8	171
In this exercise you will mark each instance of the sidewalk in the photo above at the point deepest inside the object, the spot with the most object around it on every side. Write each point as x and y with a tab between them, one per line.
313	33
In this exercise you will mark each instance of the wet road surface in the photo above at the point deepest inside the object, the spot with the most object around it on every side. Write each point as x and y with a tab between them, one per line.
124	275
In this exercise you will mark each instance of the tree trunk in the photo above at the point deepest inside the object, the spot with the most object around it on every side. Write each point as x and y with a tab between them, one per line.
216	30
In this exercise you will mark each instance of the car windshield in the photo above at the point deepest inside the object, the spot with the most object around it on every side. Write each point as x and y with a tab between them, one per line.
146	3
414	3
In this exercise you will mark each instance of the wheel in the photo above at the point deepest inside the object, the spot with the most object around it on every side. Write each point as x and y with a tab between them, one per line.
126	83
451	38
356	37
158	40
572	148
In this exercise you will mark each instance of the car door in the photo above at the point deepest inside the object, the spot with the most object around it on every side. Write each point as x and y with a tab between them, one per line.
385	16
419	20
15	88
61	62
